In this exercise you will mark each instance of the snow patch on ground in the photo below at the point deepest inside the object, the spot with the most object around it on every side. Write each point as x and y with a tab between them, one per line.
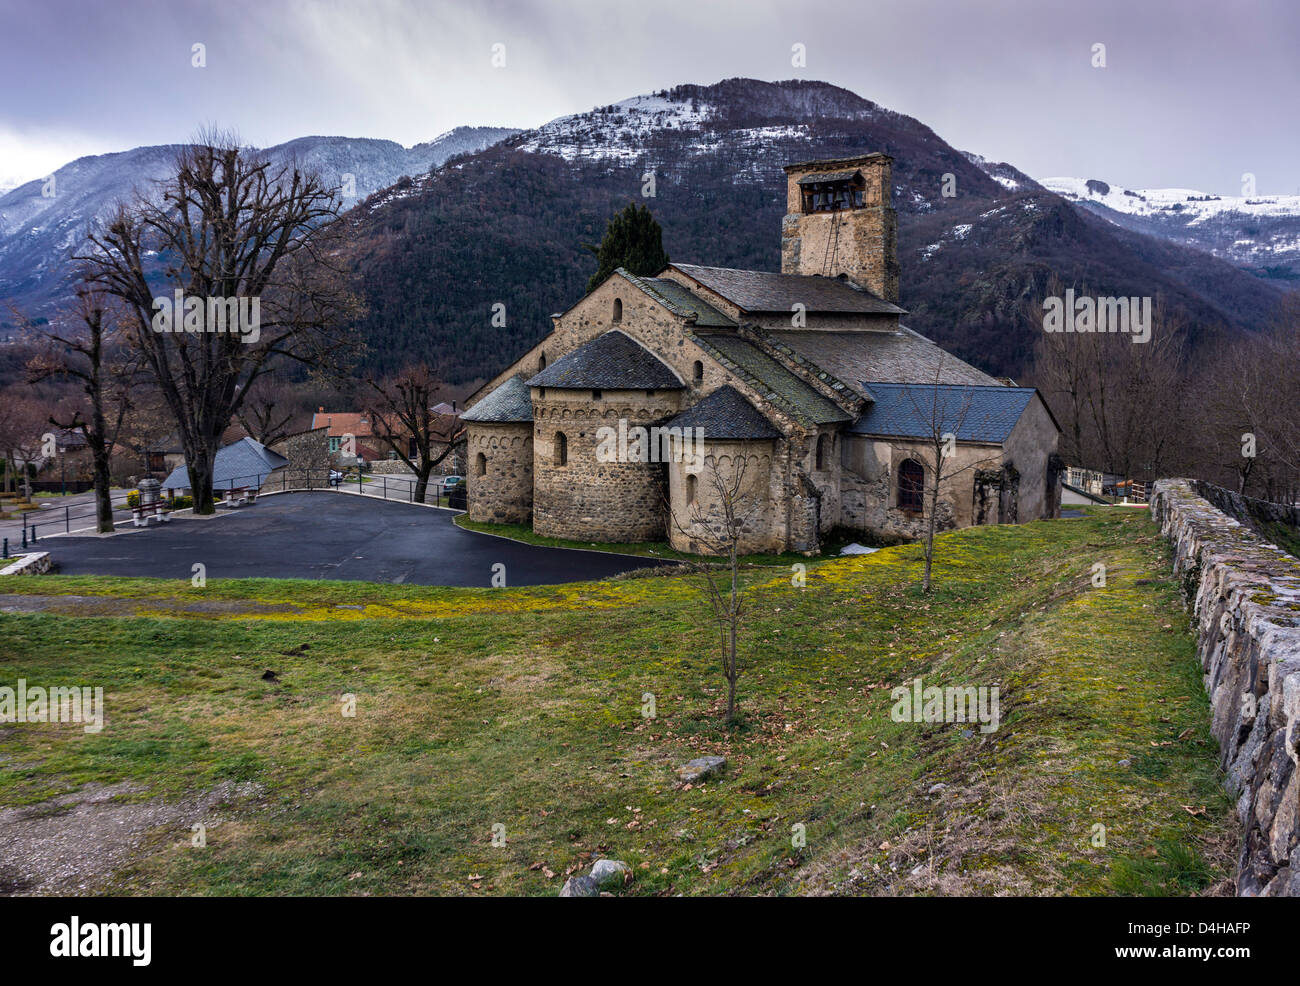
857	549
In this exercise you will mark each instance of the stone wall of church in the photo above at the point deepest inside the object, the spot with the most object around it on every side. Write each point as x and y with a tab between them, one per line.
824	474
500	472
582	498
743	469
869	486
1031	447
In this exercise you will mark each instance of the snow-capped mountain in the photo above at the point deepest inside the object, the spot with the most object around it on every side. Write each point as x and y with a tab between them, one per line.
41	222
1258	232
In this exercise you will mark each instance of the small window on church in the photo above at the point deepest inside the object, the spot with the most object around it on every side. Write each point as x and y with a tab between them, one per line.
595	395
692	486
541	363
480	465
561	449
697	373
618	309
911	487
821	452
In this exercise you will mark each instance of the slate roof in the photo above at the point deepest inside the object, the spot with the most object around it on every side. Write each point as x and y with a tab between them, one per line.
613	361
972	413
241	464
764	291
890	357
679	300
848	162
777	384
726	414
819	177
509	402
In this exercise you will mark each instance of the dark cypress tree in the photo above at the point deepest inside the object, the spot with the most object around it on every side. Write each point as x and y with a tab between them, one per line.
634	241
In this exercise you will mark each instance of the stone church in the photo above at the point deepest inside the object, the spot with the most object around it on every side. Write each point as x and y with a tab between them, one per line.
799	396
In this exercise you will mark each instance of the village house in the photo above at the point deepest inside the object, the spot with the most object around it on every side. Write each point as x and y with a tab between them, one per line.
801	390
351	435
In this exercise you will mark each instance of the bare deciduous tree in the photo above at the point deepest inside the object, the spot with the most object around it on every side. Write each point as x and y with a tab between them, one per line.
1112	394
716	523
403	417
86	348
941	411
22	425
228	230
267	411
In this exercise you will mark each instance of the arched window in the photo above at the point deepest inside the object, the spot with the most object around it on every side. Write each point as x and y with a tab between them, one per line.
692	486
618	309
821	452
480	465
541	363
561	449
697	373
911	487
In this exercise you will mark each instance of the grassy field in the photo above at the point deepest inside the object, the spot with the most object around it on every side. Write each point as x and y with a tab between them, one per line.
522	708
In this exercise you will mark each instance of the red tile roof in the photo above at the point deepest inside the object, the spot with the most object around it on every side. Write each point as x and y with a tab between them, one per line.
340	423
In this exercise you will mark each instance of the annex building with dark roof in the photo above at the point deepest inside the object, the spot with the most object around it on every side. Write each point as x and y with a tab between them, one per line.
800	394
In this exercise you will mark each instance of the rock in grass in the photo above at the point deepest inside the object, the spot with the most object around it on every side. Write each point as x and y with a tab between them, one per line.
701	768
609	873
580	886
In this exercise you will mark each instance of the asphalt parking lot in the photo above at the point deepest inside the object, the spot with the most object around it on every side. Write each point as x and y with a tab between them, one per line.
331	536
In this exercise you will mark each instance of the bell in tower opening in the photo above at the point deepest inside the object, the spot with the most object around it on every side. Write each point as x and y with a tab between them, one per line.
831	192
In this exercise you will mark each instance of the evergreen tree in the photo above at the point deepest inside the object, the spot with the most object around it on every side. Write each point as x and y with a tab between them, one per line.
633	241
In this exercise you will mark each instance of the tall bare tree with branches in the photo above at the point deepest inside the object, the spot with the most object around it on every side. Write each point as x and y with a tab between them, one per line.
402	416
87	348
1104	387
268	410
716	523
22	422
229	230
941	411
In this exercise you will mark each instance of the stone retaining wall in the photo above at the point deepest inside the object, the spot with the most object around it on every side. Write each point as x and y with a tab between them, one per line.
34	563
1245	598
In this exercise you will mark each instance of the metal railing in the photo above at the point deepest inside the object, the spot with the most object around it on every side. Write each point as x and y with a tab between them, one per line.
288	481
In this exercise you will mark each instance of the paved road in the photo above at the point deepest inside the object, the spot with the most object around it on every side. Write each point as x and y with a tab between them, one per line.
331	536
50	517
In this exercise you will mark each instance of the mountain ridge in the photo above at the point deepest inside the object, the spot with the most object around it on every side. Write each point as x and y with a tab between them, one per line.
509	224
38	230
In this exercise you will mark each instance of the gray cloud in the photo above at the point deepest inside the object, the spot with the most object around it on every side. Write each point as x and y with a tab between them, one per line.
1193	93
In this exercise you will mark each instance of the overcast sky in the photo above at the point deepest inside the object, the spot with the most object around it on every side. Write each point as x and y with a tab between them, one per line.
1194	93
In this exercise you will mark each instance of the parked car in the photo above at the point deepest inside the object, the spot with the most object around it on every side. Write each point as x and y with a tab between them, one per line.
335	477
448	483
